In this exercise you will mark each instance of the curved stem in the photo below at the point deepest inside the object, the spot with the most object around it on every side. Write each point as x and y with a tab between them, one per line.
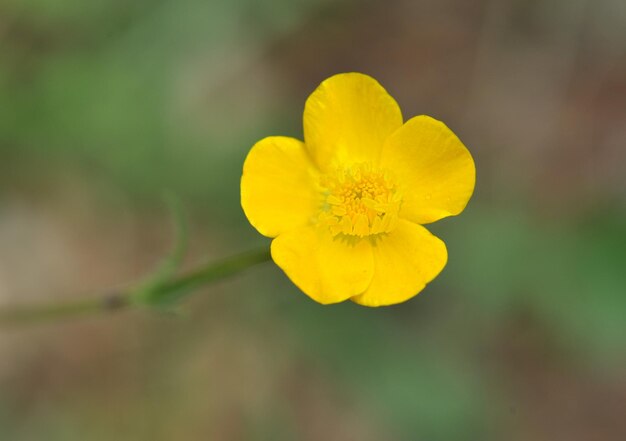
167	292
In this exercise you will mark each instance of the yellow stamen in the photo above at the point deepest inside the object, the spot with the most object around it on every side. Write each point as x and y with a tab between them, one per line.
360	201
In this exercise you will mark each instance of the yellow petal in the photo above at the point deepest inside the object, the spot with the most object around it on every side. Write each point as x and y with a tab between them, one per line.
278	186
405	260
327	269
347	119
434	169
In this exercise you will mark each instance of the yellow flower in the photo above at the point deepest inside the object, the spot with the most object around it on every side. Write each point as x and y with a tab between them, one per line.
346	207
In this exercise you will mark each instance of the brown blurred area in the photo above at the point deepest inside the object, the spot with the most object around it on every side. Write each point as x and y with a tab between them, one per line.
522	337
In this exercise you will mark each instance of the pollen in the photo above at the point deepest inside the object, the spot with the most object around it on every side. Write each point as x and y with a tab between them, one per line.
360	201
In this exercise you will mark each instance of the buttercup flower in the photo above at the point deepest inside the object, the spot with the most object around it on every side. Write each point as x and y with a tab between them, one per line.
346	206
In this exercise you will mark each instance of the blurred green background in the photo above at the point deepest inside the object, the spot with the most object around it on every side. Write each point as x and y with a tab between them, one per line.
105	105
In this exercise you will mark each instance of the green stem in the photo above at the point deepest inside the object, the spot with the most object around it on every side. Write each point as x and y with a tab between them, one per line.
167	292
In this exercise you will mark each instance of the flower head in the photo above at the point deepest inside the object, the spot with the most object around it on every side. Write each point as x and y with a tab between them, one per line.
346	207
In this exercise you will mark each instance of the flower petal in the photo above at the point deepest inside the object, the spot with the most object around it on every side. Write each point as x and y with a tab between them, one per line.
405	260
278	186
347	118
328	269
434	168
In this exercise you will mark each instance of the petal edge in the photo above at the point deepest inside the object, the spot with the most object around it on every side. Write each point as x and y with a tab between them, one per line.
435	169
327	269
405	261
278	186
347	118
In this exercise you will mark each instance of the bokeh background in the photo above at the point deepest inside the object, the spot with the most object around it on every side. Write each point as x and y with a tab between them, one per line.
105	105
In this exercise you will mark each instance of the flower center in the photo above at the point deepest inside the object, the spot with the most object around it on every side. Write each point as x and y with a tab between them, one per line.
360	201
